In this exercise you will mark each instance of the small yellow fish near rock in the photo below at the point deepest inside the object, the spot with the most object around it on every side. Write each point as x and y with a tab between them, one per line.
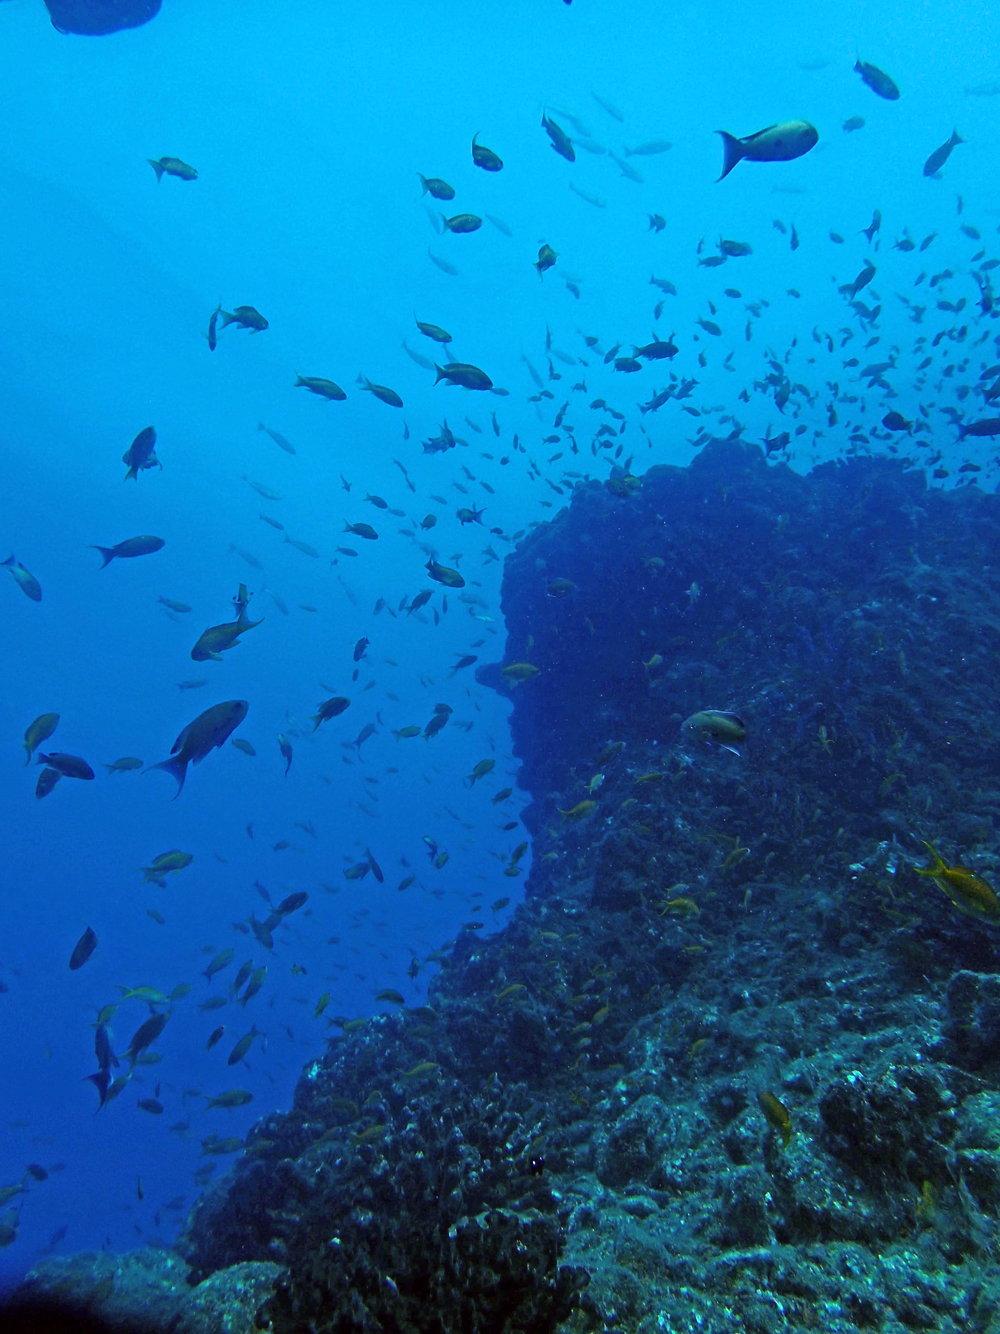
716	727
968	892
580	811
776	1115
519	671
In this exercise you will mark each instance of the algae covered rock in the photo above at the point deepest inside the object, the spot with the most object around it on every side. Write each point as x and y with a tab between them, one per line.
139	1290
228	1302
630	1151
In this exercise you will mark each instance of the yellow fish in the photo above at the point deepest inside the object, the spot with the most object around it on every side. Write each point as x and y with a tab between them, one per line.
681	907
372	1133
580	811
717	727
519	671
776	1115
968	892
422	1068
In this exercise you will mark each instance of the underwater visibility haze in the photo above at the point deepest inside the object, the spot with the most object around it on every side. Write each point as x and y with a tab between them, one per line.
499	741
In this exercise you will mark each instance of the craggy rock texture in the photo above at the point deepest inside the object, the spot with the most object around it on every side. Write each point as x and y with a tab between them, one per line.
138	1289
853	600
569	1135
228	1301
149	1291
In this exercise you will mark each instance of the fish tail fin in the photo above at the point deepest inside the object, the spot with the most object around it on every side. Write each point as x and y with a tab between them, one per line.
956	138
175	766
100	1084
440	376
261	426
423	182
732	150
9	561
157	167
132	474
106	552
939	862
227	319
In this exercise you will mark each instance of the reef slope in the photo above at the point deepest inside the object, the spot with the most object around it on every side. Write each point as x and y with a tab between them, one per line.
734	1064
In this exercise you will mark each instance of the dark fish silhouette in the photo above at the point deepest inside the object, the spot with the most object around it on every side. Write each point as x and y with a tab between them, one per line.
941	155
778	143
132	546
83	949
207	732
877	80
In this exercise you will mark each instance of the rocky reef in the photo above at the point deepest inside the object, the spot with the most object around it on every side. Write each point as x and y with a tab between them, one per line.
734	1065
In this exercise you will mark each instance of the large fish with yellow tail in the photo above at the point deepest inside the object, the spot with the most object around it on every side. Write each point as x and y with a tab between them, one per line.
717	727
968	892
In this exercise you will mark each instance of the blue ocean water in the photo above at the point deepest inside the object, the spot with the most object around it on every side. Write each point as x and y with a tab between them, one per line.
307	130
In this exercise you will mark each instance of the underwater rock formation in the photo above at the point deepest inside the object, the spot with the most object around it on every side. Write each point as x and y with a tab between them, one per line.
848	615
733	1064
146	1291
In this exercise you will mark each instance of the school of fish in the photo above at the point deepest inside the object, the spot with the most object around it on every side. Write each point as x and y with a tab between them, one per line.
935	400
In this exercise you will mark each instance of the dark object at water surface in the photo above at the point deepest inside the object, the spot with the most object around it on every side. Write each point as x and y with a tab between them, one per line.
97	18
